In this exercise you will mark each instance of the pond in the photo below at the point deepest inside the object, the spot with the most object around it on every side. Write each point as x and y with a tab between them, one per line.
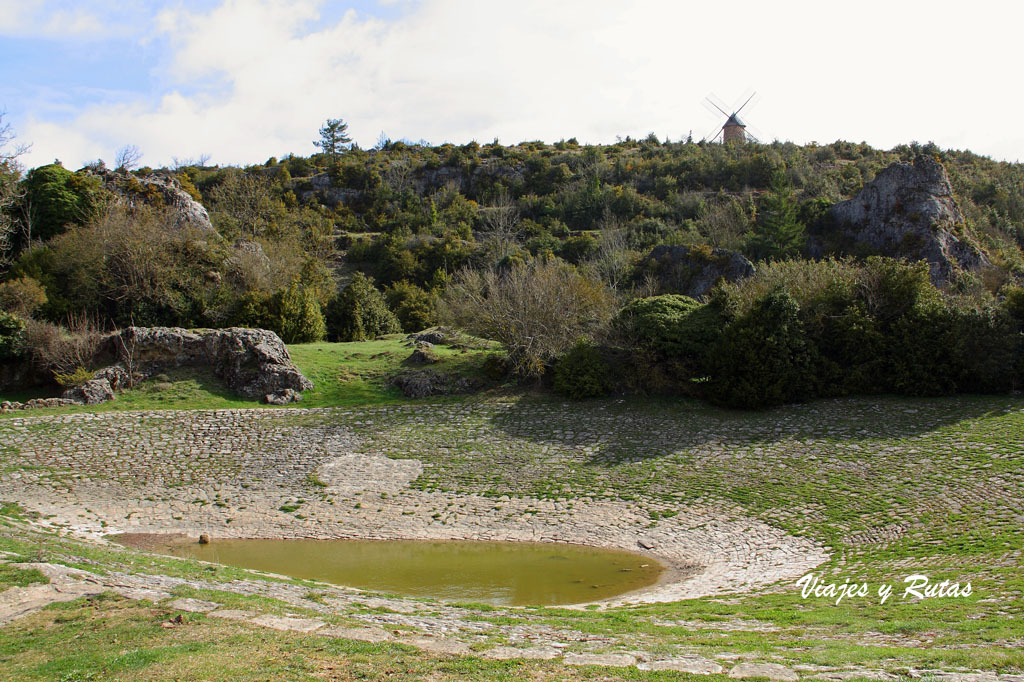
499	573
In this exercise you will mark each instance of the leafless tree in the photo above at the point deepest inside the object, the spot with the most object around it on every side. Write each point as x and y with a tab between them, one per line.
397	175
613	261
127	158
10	192
178	164
501	223
724	223
537	311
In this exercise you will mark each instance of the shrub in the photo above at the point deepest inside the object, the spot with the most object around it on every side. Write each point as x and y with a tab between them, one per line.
12	330
1014	301
22	296
298	315
582	372
415	308
762	358
359	312
674	328
537	311
496	366
53	348
76	378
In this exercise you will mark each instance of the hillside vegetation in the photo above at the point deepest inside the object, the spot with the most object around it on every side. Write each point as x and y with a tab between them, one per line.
440	231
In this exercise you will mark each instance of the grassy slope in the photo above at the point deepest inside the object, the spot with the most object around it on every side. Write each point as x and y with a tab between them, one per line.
343	375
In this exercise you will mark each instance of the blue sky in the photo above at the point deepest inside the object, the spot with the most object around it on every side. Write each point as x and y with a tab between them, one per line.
242	80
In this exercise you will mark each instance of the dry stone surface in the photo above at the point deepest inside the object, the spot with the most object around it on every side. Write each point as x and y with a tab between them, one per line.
230	473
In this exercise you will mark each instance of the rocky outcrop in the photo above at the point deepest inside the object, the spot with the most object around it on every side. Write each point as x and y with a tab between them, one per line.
694	270
427	382
908	211
161	188
423	355
92	392
252	362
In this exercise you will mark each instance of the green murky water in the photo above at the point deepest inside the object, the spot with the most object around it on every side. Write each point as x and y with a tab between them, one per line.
500	573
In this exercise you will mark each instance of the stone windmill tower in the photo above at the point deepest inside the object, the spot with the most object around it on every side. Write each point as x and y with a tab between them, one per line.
734	130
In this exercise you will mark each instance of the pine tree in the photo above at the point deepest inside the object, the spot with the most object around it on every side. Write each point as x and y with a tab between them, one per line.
333	137
780	234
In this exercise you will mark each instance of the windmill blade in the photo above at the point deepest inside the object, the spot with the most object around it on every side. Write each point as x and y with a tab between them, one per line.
757	135
717	102
708	101
746	103
717	130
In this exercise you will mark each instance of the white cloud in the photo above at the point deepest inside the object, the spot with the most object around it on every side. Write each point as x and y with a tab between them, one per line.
455	70
60	19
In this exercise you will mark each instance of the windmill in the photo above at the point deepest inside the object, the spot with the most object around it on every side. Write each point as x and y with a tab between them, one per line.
734	129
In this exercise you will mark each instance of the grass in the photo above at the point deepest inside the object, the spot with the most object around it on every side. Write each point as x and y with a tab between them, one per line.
343	375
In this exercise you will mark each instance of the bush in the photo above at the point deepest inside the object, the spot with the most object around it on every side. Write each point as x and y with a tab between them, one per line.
22	296
762	358
415	308
537	311
298	315
675	328
359	312
12	330
496	366
54	349
582	372
76	378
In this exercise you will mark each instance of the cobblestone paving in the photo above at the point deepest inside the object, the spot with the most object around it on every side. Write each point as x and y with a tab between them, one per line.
735	502
256	473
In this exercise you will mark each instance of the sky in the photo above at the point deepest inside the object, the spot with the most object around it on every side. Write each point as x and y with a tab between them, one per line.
239	81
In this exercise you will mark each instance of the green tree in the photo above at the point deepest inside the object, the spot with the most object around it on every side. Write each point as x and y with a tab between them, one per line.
299	319
11	330
415	308
55	197
779	234
359	312
333	137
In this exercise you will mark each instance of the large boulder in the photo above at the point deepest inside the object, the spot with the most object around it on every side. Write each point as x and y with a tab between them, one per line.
908	211
252	362
92	392
692	271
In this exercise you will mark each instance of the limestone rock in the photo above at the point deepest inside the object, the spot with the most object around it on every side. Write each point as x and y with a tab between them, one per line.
284	397
909	211
435	336
693	271
695	665
613	660
158	188
360	634
423	355
92	392
252	362
288	623
773	671
117	376
428	382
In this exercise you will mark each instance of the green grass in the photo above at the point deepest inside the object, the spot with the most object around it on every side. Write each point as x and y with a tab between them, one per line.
343	375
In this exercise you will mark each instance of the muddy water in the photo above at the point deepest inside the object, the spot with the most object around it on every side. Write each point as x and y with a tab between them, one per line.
500	573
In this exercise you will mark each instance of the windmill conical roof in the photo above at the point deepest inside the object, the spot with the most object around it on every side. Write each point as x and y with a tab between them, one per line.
734	120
